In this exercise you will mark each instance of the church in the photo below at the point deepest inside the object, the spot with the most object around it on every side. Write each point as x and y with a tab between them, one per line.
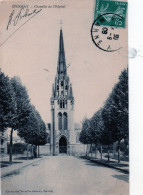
63	135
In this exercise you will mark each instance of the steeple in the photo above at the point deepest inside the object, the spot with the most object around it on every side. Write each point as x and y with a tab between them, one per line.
61	68
62	134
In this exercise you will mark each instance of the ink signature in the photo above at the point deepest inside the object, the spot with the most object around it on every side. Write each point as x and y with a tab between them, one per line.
23	13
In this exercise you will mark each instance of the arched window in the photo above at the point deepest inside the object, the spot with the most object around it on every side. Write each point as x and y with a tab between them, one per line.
65	121
61	105
60	120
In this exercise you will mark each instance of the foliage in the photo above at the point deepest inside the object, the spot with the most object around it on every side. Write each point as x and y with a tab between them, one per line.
97	126
120	107
7	103
17	113
115	111
18	148
85	135
22	100
107	136
34	131
91	129
110	123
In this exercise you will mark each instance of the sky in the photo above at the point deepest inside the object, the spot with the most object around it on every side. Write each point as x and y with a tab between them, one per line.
34	46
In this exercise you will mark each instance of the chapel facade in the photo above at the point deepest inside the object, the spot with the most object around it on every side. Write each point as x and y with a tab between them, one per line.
62	135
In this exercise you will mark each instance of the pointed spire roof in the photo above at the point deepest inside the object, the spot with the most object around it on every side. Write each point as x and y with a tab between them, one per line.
61	68
71	93
53	92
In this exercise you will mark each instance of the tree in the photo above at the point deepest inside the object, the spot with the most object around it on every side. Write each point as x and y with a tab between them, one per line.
85	136
17	113
34	131
91	130
41	135
115	112
119	110
97	125
7	103
106	134
23	108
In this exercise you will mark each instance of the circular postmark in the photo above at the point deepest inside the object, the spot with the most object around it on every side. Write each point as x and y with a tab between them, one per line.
105	35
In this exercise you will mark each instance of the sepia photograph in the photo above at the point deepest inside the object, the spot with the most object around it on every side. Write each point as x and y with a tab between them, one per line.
64	117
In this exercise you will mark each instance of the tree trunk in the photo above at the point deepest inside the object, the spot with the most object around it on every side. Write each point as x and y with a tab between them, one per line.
11	145
114	149
108	153
95	151
91	150
86	151
38	152
88	146
27	151
118	151
32	151
35	151
101	152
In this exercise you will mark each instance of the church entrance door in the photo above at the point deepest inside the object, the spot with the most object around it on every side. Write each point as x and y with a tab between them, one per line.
63	145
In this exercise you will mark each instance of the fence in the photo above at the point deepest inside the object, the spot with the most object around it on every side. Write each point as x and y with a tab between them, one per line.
77	149
72	149
99	151
104	151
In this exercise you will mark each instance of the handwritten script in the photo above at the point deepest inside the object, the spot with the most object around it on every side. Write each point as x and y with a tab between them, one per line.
23	13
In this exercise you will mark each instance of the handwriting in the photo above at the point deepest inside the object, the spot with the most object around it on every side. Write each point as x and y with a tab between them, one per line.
23	13
14	20
10	19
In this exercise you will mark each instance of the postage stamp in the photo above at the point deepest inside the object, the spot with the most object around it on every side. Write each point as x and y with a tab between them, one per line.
119	8
106	37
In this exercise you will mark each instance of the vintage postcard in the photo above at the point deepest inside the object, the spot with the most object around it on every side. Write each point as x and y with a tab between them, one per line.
64	97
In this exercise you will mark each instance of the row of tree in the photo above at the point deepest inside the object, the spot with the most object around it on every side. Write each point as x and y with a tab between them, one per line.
17	113
110	123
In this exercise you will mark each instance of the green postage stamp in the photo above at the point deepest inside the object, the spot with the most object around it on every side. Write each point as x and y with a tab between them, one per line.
113	13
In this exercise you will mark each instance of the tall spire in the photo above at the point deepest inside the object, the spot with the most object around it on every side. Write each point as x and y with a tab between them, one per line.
61	69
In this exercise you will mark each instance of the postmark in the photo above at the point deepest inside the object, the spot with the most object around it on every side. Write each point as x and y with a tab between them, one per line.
119	8
106	37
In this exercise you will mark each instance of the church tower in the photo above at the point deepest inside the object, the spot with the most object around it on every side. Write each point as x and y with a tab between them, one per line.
62	107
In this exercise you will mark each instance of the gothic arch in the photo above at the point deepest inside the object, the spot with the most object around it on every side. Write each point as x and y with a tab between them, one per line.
60	120
65	121
63	144
62	103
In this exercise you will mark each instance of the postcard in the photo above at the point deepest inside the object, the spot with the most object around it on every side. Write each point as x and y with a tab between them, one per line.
64	97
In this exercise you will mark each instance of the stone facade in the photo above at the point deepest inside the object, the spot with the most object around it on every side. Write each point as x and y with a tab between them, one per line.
62	107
